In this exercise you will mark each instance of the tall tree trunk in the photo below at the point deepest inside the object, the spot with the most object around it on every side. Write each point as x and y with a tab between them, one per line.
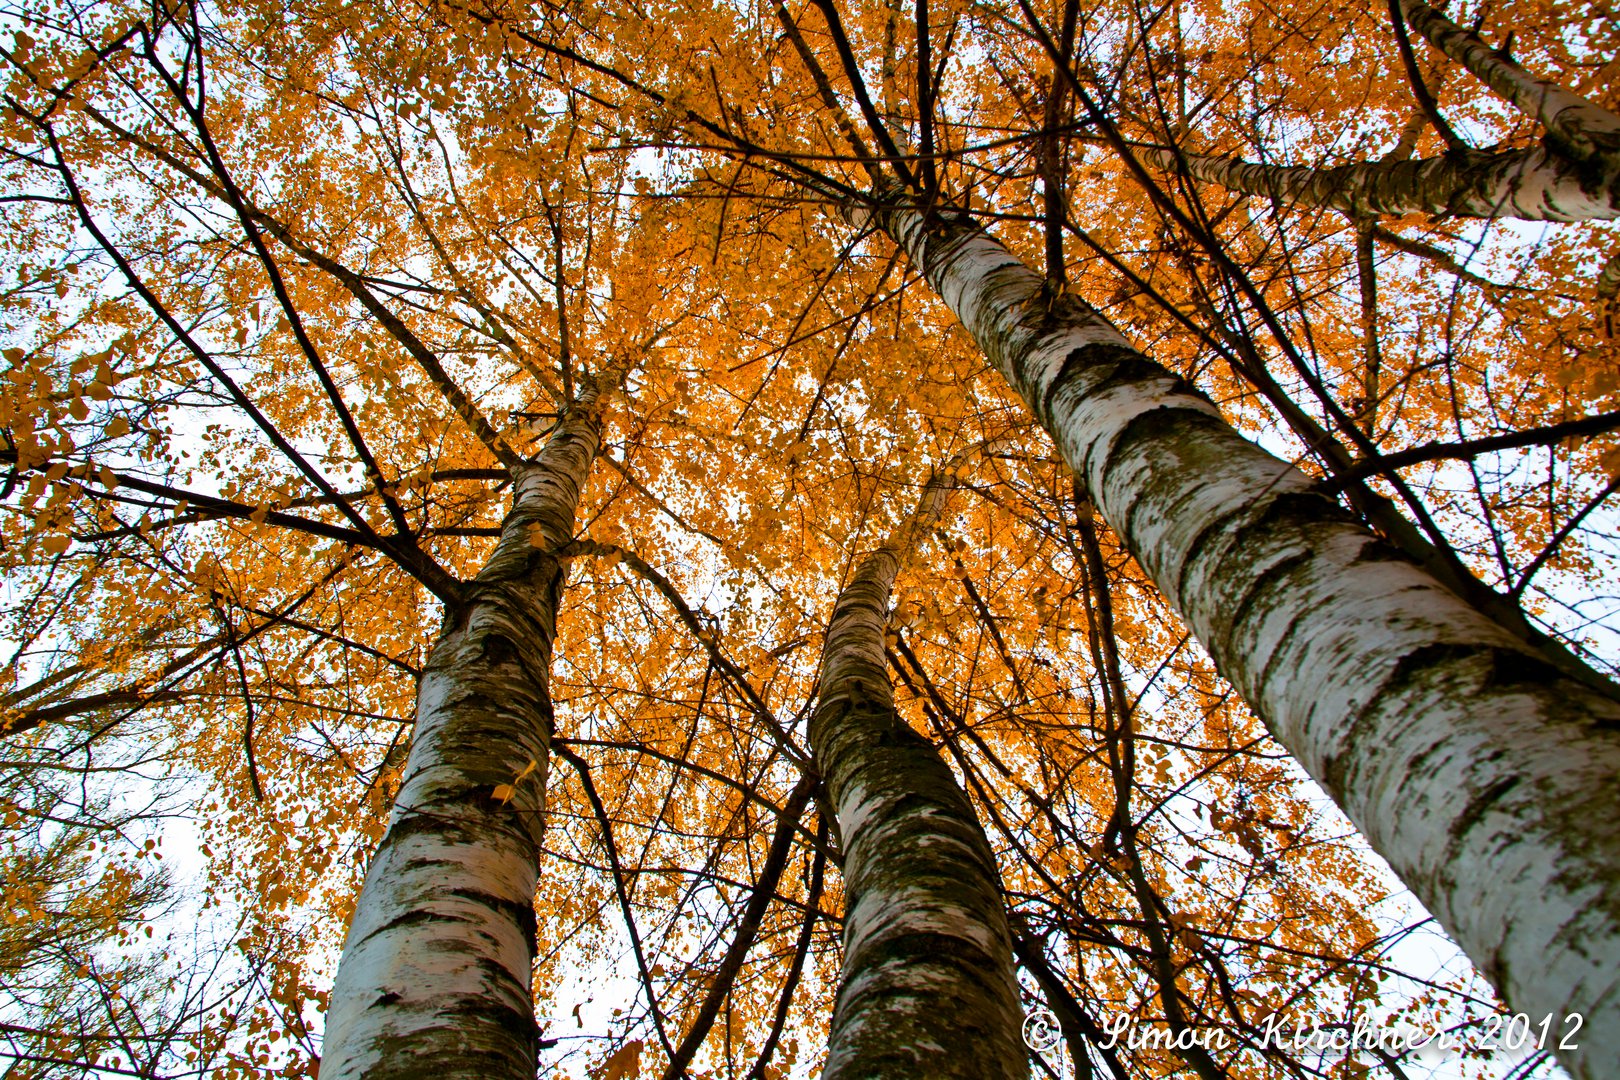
927	989
1485	776
434	978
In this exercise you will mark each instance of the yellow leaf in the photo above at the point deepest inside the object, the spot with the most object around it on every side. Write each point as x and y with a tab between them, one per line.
624	1062
504	792
1611	461
117	426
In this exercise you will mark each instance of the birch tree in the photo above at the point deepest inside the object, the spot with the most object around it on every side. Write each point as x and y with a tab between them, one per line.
1570	177
481	753
1472	764
435	971
927	987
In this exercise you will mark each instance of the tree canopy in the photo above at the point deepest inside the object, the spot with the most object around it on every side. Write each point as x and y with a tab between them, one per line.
295	296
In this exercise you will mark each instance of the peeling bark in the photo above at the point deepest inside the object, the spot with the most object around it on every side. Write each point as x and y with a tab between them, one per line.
1483	775
434	979
927	989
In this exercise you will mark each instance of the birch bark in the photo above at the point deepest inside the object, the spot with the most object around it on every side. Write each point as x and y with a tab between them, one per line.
1537	184
1575	176
1485	777
1582	129
434	980
927	989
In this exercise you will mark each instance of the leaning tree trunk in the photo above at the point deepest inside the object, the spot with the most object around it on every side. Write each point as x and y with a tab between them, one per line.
434	978
1575	176
1537	184
927	989
1582	129
1488	779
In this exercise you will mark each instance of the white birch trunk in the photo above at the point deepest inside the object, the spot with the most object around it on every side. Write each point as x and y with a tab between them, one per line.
1486	778
927	990
434	980
1582	129
1537	184
1575	177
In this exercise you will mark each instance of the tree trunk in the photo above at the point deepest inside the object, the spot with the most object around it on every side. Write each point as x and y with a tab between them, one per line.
927	989
1537	184
1574	177
1482	774
1580	128
434	980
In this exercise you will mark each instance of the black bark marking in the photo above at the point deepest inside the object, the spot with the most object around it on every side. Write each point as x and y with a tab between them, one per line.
1377	551
414	918
1300	520
1080	360
516	1025
877	605
1510	667
1477	808
442	828
1167	430
1415	667
497	650
521	915
1251	598
1132	367
909	953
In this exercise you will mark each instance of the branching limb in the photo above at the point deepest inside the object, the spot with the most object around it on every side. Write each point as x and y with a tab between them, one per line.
1469	449
852	71
612	850
703	633
747	928
801	950
1420	88
829	98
